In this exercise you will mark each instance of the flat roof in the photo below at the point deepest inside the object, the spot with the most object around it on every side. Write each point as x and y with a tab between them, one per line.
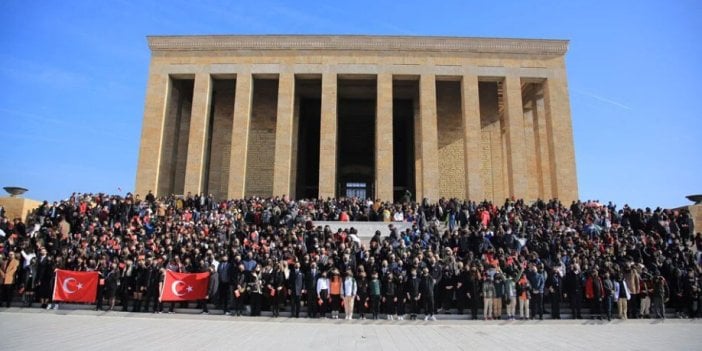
358	43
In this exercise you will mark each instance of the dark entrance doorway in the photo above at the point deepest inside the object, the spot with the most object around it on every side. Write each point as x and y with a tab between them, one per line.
309	94
356	148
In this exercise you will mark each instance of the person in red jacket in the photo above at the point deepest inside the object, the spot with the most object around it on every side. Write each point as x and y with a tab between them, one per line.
594	292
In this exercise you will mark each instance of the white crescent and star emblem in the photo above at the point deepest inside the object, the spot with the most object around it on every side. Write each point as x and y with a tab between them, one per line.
174	288
65	285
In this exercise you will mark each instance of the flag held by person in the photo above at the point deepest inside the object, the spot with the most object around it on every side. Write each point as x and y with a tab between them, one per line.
70	286
185	286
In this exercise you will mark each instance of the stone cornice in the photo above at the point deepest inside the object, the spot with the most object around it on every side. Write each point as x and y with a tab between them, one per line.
357	42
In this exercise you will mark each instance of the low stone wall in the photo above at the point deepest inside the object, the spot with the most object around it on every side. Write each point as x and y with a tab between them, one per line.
18	207
365	230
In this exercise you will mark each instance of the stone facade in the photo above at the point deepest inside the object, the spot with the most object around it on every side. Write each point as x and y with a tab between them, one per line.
491	116
18	207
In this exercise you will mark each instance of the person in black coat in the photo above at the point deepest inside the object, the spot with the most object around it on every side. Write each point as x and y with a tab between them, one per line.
427	292
574	284
141	283
296	287
277	282
239	289
311	290
554	285
473	292
225	272
413	293
112	283
212	288
153	278
462	281
45	272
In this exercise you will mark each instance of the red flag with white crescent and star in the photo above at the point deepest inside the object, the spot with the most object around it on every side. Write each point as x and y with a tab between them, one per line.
185	286
71	286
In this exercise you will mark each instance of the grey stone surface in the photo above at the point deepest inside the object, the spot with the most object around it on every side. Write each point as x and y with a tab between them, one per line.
366	230
35	329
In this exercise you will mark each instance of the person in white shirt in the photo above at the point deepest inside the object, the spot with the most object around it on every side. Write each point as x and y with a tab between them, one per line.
323	293
349	292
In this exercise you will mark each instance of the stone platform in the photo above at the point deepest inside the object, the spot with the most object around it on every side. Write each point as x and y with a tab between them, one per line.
35	329
366	230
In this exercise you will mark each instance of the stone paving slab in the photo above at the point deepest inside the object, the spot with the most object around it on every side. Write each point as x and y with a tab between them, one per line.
33	329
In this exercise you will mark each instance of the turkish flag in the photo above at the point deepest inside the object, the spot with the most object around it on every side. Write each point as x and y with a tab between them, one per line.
70	286
185	286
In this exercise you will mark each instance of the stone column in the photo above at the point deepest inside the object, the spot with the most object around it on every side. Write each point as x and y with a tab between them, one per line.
240	135
470	105
152	134
384	139
558	120
429	135
327	137
197	138
514	119
544	152
283	135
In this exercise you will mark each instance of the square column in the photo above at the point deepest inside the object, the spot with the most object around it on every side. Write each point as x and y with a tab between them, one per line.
516	156
240	135
544	152
470	105
429	137
199	123
284	135
384	139
327	137
152	134
558	120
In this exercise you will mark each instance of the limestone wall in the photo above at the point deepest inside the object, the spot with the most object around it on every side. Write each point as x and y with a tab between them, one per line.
261	150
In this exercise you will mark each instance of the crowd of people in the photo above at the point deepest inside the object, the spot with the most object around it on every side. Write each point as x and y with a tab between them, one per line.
508	261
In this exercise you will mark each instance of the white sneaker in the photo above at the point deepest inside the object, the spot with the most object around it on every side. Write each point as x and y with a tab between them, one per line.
426	318
56	306
433	318
401	318
390	317
49	306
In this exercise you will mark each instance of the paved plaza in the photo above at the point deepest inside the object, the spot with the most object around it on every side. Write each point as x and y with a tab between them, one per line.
35	329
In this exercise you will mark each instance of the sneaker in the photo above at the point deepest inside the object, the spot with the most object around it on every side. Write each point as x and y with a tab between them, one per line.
388	317
426	318
49	306
402	318
433	318
56	306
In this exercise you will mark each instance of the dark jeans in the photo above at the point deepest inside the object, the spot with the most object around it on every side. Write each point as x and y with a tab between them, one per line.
575	305
225	295
608	300
555	306
634	306
256	304
312	306
375	305
7	292
414	306
295	302
429	305
537	305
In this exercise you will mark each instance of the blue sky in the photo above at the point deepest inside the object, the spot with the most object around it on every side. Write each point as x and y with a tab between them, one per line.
74	75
